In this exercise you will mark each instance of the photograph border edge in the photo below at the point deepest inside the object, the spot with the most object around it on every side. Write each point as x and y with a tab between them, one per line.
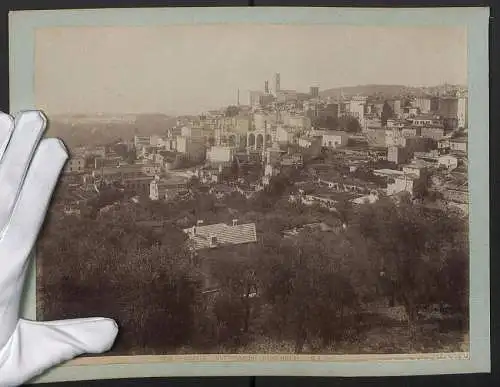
22	26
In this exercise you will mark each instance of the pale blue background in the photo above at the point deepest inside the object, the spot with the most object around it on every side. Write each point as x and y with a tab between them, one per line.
22	29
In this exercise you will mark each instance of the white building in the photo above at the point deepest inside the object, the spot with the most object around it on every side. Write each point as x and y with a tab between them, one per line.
193	149
357	108
462	112
335	139
411	179
458	144
75	165
192	132
417	169
150	169
155	158
306	142
423	104
270	170
448	161
389	173
425	120
156	190
285	134
371	198
170	144
159	142
98	151
391	123
311	144
298	122
142	141
261	120
317	132
254	97
220	154
160	189
241	124
401	183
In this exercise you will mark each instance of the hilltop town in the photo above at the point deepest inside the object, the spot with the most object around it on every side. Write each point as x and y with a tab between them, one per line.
359	147
294	222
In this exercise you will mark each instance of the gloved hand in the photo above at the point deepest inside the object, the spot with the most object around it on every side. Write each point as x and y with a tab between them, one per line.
29	170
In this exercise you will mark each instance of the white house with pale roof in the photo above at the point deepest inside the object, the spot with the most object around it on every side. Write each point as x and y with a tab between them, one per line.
334	139
448	161
220	235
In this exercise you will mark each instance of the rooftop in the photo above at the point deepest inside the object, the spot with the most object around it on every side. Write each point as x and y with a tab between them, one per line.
80	194
426	116
416	164
167	184
407	176
335	133
459	139
222	188
175	179
140	178
224	235
447	156
324	193
388	172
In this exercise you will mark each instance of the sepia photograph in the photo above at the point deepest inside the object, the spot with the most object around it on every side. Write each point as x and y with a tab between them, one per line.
247	189
260	189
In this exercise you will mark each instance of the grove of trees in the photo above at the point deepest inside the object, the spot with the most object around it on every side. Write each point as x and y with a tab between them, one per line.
386	114
316	292
347	123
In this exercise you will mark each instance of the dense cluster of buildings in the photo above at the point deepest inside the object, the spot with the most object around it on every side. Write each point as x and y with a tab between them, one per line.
421	143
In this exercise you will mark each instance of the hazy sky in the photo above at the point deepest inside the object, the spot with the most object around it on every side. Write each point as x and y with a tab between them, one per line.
189	69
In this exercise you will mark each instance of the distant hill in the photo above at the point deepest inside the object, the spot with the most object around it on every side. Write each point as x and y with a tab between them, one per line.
383	90
77	130
387	91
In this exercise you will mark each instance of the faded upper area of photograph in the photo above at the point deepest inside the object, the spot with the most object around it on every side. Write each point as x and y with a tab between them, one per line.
245	189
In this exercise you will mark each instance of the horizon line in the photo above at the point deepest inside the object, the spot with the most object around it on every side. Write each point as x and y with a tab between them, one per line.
177	114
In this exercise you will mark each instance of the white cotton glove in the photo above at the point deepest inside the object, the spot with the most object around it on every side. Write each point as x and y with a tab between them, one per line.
29	169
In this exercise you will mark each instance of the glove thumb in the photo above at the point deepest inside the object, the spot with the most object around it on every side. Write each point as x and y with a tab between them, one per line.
36	346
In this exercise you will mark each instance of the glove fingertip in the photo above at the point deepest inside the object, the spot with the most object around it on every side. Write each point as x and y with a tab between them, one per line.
101	336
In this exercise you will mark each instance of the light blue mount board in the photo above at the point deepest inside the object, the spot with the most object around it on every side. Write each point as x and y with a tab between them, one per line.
22	41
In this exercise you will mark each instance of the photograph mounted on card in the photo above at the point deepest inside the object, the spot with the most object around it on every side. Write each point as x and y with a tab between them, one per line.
283	190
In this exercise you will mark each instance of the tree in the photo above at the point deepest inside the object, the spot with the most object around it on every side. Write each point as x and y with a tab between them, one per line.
457	133
165	294
235	303
349	124
237	201
387	113
106	197
304	283
344	210
409	245
326	122
235	167
193	183
90	161
278	185
366	174
142	278
131	156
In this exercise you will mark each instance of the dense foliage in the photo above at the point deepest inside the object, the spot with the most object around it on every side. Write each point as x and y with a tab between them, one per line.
345	123
314	292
